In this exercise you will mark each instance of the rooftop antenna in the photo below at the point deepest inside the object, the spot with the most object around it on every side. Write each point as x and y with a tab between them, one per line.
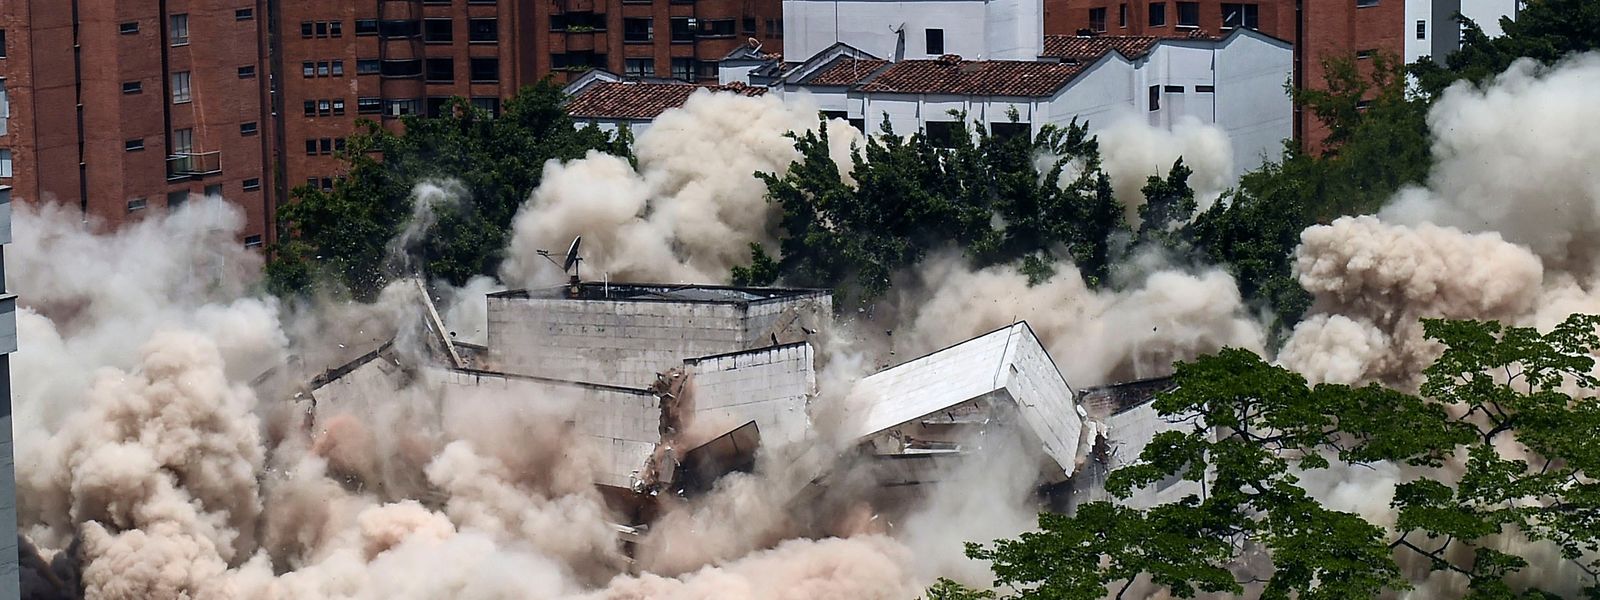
570	265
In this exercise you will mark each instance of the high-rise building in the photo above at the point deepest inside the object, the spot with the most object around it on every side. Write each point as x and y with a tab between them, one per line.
124	109
678	39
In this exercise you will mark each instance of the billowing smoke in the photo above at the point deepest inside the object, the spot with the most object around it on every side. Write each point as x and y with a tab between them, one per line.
1131	151
688	213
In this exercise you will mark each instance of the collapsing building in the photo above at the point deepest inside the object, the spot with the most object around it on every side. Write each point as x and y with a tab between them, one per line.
673	387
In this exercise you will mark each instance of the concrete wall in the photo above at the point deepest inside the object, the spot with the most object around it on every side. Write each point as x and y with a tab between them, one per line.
771	386
1251	104
1443	34
1044	400
9	585
624	342
1000	29
1129	432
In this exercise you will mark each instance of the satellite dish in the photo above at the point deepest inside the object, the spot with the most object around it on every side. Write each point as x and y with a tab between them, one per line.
572	254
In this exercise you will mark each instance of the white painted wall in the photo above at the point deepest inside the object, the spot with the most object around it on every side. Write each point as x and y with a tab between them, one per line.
993	29
771	386
1441	36
1251	104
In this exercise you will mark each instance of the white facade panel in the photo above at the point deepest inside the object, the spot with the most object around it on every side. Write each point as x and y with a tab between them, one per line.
974	29
770	386
1252	106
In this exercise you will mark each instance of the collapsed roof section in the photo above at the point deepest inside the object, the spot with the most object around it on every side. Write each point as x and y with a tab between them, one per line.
929	405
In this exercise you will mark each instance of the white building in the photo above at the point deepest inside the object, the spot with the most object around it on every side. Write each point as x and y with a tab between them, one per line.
1431	29
903	29
9	584
1235	82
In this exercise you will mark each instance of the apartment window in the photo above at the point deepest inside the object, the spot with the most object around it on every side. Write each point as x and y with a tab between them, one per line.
435	1
252	241
310	107
247	129
366	27
177	198
368	66
639	67
396	108
323	68
132	87
1097	19
1155	98
369	106
5	163
438	31
327	184
1008	130
129	28
749	26
435	106
335	28
338	68
307	29
1205	89
941	134
214	189
483	30
1422	29
638	30
252	184
325	146
402	68
440	70
1363	104
1122	15
934	40
5	107
248	72
1174	89
489	104
683	68
1188	14
134	145
1366	3
1158	14
485	69
1365	54
180	87
308	69
322	29
183	141
338	107
311	147
136	204
682	29
1247	16
324	108
244	14
706	69
180	30
716	28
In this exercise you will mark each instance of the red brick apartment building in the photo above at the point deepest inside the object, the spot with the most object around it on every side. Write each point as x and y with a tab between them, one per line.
125	108
1319	29
678	39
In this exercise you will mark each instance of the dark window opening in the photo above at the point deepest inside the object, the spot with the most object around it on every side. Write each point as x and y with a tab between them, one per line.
1158	14
749	25
244	14
128	28
934	40
485	69
707	69
639	67
438	31
248	72
368	66
1097	19
435	106
682	29
941	134
402	68
1366	3
1174	89
638	29
399	28
366	27
1009	130
1422	29
1188	14
132	87
1155	98
369	106
1204	89
252	184
1247	16
1122	15
440	70
253	241
483	30
133	145
247	128
716	28
683	68
489	104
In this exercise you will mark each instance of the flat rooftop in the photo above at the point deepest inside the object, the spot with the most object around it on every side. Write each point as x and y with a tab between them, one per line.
650	292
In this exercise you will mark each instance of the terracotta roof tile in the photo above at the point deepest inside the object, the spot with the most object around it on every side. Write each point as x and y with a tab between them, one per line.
845	70
951	75
1089	48
622	100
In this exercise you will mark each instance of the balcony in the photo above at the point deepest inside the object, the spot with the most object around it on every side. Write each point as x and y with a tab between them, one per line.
194	164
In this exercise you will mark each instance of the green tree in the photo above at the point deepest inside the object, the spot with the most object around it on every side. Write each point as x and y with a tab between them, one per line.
342	236
1252	428
1544	30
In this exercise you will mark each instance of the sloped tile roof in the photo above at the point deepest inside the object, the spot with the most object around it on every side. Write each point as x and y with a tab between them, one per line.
623	100
951	75
1088	48
845	70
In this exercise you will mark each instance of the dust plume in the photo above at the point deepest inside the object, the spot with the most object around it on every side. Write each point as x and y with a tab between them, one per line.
1131	151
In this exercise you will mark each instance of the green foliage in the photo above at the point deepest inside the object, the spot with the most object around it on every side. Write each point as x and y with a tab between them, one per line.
763	270
1251	429
1544	30
945	589
342	237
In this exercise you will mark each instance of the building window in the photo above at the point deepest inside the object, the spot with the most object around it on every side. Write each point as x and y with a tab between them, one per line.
1097	19
368	66
1158	14
1247	16
248	72
366	27
716	28
1155	98
492	105
483	30
244	14
132	87
682	29
934	41
438	31
1122	15
1366	3
133	145
1365	54
307	29
1174	89
310	108
335	28
749	26
1205	89
402	107
308	69
129	28
311	147
5	163
252	184
177	199
683	68
435	106
183	141
324	108
1008	130
403	68
1422	29
1188	14
1363	104
639	67
439	70
5	107
369	106
322	68
180	87
706	69
485	69
338	107
180	30
214	189
338	68
247	129
941	134
252	241
399	28
136	204
638	30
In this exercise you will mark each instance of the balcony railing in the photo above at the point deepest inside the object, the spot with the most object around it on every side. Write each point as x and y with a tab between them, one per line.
194	164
